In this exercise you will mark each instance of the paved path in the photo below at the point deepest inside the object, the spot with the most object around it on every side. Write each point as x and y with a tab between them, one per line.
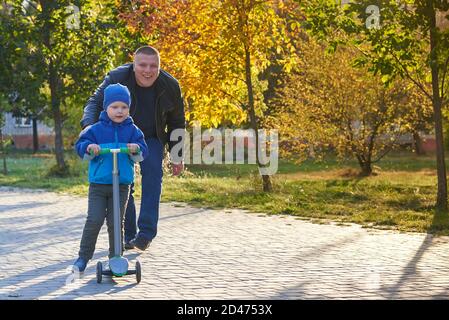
215	254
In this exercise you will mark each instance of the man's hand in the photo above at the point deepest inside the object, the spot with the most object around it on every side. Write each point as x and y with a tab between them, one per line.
133	147
93	147
177	168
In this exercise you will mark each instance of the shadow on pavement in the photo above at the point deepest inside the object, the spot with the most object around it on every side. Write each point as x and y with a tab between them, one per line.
37	289
25	205
183	214
16	240
409	271
297	291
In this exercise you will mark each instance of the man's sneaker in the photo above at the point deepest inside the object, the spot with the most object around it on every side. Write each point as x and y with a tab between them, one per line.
129	245
80	264
140	243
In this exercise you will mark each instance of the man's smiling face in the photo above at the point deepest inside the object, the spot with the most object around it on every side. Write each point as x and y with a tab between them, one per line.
146	69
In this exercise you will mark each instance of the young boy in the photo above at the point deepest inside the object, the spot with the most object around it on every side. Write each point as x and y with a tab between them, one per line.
114	129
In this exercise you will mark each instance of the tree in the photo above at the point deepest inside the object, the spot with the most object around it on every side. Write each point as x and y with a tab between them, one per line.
3	143
218	50
397	38
330	104
61	51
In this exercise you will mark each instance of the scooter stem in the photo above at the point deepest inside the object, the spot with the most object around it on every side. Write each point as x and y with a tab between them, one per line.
116	204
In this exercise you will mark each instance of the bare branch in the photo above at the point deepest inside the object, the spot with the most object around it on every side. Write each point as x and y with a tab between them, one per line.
416	82
232	97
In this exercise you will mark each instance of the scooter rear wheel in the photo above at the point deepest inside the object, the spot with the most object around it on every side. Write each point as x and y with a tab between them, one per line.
99	271
138	272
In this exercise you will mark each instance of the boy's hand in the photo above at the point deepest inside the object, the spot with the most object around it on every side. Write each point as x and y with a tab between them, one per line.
95	148
133	147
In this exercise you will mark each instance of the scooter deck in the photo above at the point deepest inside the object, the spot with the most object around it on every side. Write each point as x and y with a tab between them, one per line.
109	273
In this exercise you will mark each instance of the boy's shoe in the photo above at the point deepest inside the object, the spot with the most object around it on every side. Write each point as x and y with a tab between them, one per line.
80	264
129	246
140	243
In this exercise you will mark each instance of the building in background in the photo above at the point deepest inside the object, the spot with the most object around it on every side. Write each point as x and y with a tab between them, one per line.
20	129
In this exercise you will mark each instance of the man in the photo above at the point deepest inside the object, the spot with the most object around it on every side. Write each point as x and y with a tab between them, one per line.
157	109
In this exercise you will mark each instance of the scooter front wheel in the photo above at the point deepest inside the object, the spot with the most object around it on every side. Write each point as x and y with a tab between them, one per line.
99	271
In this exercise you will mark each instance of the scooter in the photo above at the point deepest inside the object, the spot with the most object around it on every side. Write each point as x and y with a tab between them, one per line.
118	265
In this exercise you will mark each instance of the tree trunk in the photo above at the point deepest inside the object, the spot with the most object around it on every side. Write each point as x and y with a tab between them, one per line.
436	102
35	136
266	181
267	186
57	117
418	144
2	149
366	166
367	169
54	83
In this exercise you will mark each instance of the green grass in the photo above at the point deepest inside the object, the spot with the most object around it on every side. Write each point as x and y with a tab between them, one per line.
400	196
31	171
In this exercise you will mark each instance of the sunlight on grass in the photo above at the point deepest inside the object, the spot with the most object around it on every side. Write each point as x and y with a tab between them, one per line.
400	196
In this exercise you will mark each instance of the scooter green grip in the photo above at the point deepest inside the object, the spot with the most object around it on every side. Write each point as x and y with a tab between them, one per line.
105	151
108	150
126	150
102	151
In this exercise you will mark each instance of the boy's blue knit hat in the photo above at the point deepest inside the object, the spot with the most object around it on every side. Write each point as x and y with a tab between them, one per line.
116	92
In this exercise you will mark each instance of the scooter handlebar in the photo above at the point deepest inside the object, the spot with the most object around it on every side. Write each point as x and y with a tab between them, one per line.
112	150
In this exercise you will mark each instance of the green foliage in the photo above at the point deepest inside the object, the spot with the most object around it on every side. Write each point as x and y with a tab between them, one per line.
408	41
43	39
328	103
204	43
399	47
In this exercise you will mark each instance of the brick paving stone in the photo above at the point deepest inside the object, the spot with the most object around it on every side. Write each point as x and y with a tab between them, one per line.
215	254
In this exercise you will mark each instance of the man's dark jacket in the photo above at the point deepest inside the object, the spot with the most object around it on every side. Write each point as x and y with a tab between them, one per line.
169	103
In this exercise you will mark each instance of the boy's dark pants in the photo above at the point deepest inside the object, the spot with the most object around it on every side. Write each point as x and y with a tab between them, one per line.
100	206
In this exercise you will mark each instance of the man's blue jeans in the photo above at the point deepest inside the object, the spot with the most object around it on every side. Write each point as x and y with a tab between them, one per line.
151	171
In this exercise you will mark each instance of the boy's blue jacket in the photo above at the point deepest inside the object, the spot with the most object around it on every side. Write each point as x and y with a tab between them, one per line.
108	134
